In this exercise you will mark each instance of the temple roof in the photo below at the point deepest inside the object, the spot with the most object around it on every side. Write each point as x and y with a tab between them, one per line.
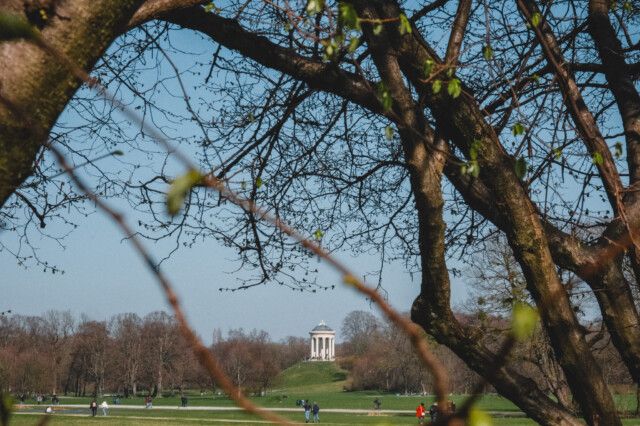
321	327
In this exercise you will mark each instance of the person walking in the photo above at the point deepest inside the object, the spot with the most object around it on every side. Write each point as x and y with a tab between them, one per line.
307	411
376	404
105	408
433	411
94	408
420	413
316	412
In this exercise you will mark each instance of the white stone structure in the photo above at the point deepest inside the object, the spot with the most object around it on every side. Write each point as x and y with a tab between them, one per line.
323	343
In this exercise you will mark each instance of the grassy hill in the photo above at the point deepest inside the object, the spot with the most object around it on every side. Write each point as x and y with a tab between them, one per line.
323	382
315	377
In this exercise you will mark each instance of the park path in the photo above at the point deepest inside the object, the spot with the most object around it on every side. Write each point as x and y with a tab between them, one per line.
224	408
281	409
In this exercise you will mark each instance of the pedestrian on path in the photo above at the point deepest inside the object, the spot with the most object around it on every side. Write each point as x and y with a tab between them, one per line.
376	404
94	408
433	411
307	411
316	413
420	413
105	408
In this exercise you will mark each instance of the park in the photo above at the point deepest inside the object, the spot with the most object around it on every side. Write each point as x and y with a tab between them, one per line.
315	380
189	188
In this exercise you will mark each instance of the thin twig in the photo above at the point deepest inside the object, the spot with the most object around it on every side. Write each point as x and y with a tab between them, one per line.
205	357
413	331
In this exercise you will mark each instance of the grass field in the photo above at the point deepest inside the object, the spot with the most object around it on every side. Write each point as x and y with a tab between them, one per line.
171	418
321	382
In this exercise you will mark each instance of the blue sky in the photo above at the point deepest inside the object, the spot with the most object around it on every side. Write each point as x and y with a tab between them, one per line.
104	276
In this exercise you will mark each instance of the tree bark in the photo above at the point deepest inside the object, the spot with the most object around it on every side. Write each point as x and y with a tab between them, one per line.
461	120
83	29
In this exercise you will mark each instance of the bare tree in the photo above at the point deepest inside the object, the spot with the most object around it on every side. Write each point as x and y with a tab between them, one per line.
360	329
344	124
250	359
93	344
161	339
127	333
58	329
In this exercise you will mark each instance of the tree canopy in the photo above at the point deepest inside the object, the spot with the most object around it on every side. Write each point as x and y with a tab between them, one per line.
415	131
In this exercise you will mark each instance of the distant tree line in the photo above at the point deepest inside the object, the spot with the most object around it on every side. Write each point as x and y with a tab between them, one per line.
379	357
57	354
128	355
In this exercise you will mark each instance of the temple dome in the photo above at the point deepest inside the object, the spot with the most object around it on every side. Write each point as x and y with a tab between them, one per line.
322	328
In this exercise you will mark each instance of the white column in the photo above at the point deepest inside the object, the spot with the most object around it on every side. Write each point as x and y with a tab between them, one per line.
311	348
315	346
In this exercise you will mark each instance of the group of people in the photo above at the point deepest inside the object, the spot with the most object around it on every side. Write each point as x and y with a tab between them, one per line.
94	408
311	409
434	411
38	398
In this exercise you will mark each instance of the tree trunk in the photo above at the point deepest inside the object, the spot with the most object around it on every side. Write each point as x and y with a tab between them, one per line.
159	382
519	389
83	29
462	121
619	313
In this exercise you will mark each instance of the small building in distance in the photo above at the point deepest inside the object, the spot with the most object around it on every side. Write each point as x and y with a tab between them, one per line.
323	343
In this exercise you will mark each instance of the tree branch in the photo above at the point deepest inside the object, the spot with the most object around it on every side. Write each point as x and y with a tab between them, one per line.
458	32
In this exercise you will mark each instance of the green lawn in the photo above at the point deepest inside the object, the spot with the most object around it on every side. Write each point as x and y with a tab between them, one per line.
173	418
325	398
168	418
321	382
